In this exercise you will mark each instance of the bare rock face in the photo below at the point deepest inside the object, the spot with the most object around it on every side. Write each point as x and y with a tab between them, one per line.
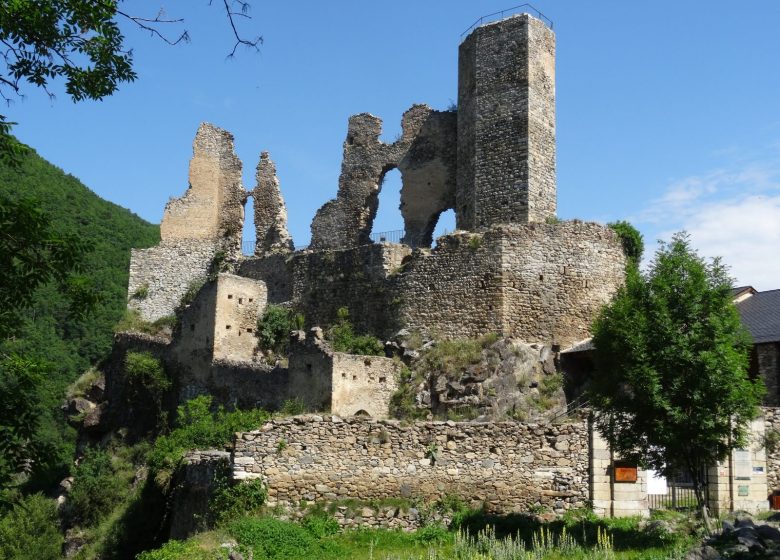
270	211
505	379
426	156
213	206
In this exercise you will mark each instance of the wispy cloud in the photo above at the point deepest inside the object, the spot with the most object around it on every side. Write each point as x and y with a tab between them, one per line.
733	212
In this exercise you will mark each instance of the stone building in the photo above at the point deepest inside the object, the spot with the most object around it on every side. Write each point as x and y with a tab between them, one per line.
760	314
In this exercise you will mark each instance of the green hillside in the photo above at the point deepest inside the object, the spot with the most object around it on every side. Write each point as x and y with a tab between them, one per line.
48	331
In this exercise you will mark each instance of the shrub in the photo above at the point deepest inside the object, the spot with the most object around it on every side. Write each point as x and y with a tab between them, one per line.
274	539
176	550
293	407
144	369
198	427
232	500
274	328
30	530
344	339
131	321
142	292
97	488
631	239
320	524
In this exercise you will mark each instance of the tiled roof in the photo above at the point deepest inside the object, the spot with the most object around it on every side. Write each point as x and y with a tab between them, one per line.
761	315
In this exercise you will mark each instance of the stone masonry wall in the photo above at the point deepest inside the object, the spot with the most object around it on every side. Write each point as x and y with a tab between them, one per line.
454	290
363	384
507	466
555	278
240	302
772	425
165	272
275	270
535	282
356	278
506	124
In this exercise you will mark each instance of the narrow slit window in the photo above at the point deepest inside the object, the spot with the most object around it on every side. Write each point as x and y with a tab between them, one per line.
230	296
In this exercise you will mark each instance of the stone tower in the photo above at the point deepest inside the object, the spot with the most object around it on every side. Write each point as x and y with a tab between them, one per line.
506	124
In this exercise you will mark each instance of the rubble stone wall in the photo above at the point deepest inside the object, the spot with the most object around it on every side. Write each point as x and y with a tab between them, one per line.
275	270
556	277
240	302
507	466
506	124
165	272
356	278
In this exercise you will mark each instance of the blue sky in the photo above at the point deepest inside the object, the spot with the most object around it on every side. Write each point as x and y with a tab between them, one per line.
668	112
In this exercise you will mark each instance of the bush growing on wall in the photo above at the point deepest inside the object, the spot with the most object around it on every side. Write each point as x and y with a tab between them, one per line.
344	339
274	328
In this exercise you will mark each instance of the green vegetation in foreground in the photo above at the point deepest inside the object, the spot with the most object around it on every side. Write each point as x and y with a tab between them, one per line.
48	331
579	536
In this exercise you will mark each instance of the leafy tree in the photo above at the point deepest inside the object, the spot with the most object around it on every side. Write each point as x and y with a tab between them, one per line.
344	339
21	447
633	245
80	42
672	391
31	531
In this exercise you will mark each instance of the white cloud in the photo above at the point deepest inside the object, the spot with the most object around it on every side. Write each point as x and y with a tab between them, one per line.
731	213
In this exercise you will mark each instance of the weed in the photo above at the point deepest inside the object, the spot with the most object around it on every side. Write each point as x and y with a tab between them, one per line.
142	292
475	242
281	445
344	339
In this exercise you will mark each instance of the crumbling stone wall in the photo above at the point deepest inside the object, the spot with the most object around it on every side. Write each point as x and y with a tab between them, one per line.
426	156
506	124
194	485
240	302
159	276
507	466
345	384
213	206
270	211
772	426
356	278
203	225
274	270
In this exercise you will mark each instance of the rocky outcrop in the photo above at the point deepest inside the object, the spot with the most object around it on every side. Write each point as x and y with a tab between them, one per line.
743	538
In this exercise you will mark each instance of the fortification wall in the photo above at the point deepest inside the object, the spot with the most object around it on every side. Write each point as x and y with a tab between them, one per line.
534	282
454	290
507	466
275	270
555	277
165	272
355	278
239	304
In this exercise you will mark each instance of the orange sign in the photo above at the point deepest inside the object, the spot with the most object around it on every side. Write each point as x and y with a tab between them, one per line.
625	472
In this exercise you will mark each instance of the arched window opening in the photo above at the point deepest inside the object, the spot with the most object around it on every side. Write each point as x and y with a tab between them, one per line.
388	223
248	237
362	414
444	225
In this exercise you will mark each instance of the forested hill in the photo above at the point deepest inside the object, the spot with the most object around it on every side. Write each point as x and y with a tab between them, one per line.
48	331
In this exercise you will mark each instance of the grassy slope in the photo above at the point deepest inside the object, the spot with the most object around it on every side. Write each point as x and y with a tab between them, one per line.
48	331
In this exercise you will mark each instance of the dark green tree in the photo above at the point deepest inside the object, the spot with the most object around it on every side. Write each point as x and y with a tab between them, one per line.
671	390
80	42
631	239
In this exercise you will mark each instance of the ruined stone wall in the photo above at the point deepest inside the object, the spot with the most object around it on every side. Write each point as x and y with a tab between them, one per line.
195	228
453	291
270	211
506	124
164	273
213	206
240	302
426	156
772	426
363	385
555	278
768	358
507	466
324	281
275	270
194	484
